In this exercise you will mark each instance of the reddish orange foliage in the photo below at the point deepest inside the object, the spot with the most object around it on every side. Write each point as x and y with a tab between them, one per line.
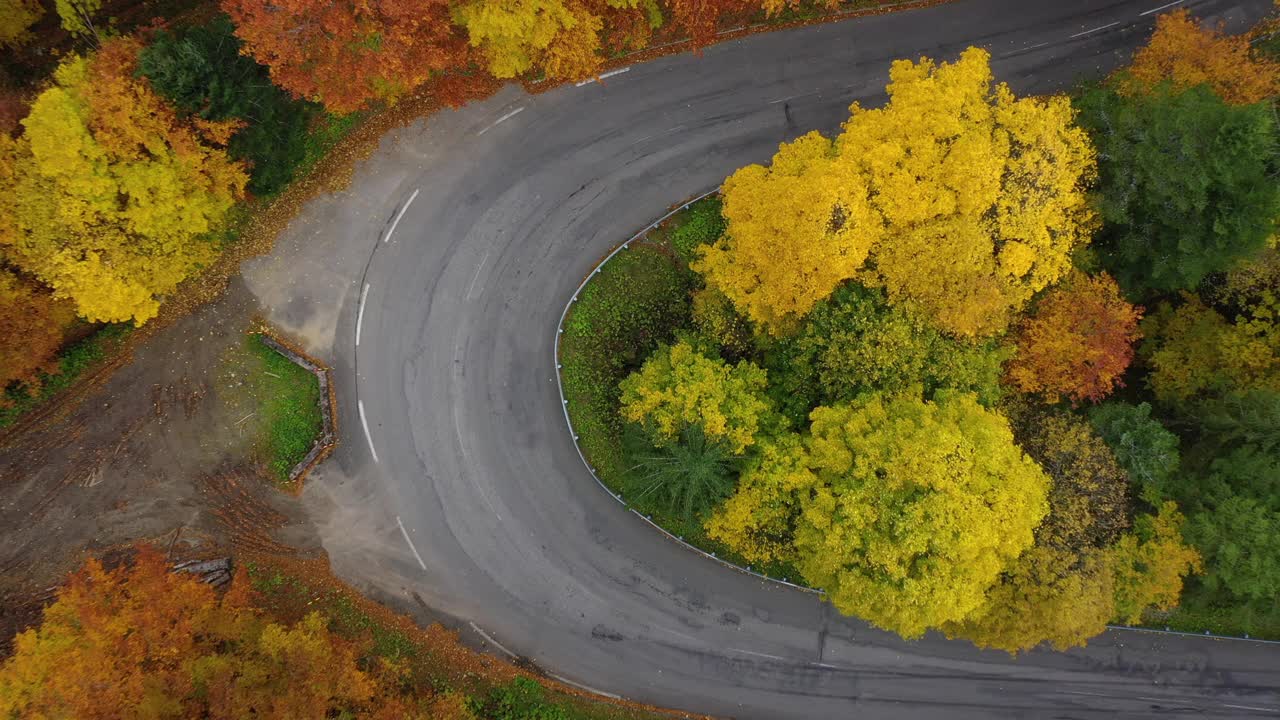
1078	343
1188	54
31	324
701	18
347	54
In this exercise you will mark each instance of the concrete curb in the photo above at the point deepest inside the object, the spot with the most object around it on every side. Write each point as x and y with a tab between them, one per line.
564	405
328	439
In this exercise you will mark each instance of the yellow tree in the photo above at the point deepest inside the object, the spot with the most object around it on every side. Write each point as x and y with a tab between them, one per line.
796	230
982	193
114	199
967	199
1061	591
1185	53
1151	563
904	511
678	387
560	36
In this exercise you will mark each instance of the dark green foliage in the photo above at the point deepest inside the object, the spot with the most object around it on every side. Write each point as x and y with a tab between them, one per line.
702	225
201	70
855	342
639	299
1231	492
521	699
686	478
1144	448
1186	183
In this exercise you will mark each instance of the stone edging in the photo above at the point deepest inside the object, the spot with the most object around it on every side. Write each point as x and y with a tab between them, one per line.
328	439
564	405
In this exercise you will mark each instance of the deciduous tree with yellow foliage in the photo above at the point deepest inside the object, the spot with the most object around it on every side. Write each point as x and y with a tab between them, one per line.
114	200
678	387
559	36
961	198
904	511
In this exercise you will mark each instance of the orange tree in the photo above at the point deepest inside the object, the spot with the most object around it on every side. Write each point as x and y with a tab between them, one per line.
347	54
167	646
1078	343
1185	54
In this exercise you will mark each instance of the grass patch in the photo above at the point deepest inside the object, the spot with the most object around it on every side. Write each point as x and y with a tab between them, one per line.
74	360
278	400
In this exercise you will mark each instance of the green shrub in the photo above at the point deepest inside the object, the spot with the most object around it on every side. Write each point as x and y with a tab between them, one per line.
638	300
701	225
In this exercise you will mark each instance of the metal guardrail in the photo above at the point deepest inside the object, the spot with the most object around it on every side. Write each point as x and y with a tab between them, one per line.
564	406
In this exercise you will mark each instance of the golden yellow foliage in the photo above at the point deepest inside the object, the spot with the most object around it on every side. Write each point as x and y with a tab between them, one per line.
757	520
1186	53
678	387
1151	563
561	36
905	512
796	230
1049	595
113	197
1194	351
982	192
961	198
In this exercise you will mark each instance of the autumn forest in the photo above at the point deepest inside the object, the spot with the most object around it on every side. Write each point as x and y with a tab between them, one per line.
1004	368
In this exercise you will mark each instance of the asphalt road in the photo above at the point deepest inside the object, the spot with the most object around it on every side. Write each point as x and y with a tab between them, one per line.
457	487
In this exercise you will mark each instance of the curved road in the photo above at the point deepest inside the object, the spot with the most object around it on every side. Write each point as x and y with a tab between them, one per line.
457	487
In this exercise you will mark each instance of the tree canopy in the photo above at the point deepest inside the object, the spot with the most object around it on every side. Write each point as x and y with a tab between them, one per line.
1147	451
166	646
31	326
855	342
905	511
964	200
679	387
1078	342
1185	186
1185	54
348	54
114	198
202	71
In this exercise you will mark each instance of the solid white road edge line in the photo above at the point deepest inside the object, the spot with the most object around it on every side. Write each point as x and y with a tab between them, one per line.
403	208
1162	7
364	294
1100	27
580	686
490	640
405	533
365	424
508	116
